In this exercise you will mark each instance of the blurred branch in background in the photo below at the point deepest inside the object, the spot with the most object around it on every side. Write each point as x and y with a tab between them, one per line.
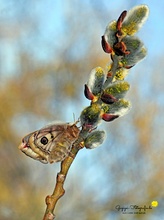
46	41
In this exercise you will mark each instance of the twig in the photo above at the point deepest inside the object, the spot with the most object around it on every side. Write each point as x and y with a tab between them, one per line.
115	66
51	200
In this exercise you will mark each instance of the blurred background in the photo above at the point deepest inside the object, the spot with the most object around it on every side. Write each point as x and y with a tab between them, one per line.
47	50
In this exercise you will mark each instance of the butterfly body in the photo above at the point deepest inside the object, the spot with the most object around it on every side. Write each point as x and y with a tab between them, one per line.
51	143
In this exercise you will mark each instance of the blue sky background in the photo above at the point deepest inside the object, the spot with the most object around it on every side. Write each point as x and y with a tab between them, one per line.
51	26
41	40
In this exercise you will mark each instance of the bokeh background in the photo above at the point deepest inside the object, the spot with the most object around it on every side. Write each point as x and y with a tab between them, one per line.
47	50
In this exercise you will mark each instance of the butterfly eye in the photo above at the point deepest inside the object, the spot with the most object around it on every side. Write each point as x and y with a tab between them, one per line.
44	140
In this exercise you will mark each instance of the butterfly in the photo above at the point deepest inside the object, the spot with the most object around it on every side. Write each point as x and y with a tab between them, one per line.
51	143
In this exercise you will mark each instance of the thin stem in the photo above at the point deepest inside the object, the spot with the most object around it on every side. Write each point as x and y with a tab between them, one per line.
113	71
59	191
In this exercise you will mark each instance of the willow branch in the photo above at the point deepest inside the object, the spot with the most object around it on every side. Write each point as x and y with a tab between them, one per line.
51	200
113	70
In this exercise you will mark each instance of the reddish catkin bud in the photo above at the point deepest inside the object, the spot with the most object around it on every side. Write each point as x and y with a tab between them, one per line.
109	117
105	45
119	23
88	94
108	99
120	49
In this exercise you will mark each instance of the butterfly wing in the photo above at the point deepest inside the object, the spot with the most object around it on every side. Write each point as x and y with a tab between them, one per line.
51	143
